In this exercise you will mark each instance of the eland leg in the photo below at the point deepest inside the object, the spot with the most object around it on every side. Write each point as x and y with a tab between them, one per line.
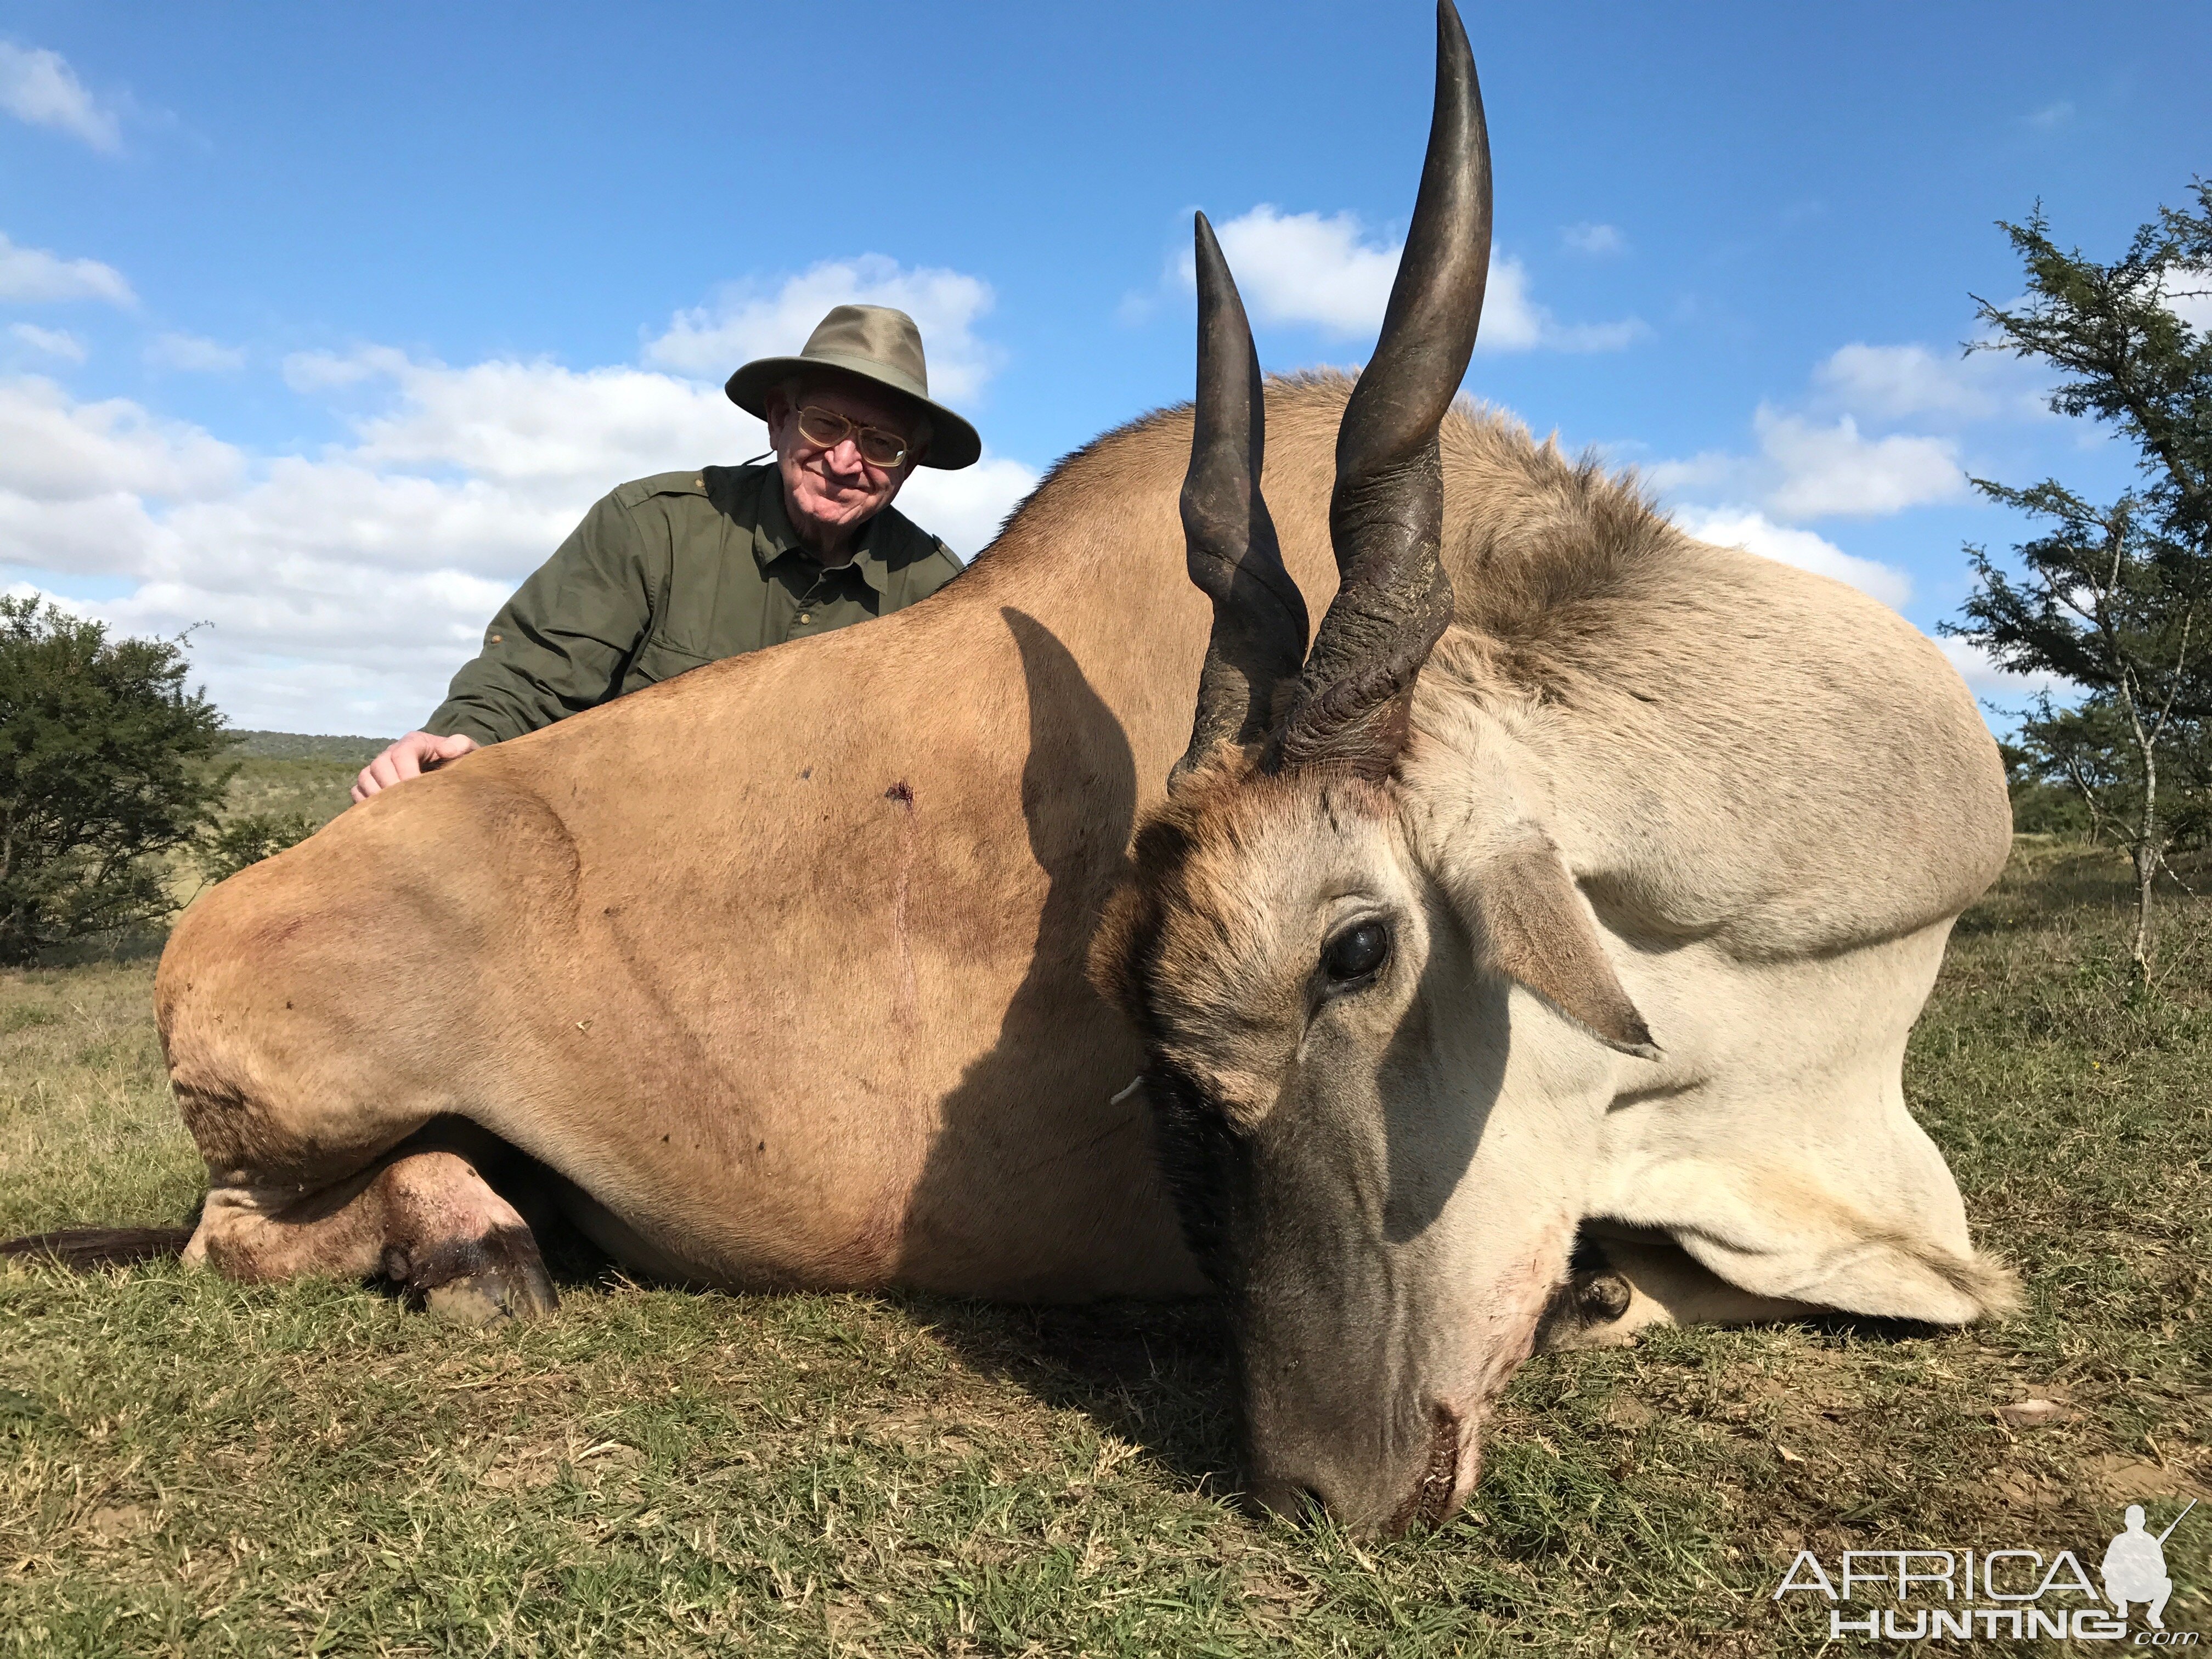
422	1217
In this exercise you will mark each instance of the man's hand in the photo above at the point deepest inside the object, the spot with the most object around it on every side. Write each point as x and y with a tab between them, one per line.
412	755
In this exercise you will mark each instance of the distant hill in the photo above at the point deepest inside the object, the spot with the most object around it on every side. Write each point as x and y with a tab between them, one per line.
299	746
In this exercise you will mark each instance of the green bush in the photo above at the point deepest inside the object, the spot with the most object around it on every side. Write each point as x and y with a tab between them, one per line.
104	764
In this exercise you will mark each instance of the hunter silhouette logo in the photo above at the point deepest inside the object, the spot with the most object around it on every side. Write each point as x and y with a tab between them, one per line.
2134	1567
1998	1593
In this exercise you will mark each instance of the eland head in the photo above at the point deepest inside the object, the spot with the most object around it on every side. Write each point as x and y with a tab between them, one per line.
1319	947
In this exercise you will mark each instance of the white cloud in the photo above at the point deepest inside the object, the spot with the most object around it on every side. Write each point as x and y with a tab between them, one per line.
1326	272
193	354
1512	321
1899	382
54	342
1753	532
29	275
967	507
1593	239
711	341
1709	471
1833	470
1907	379
1302	268
327	371
344	587
1807	470
104	534
2051	117
38	86
1985	679
541	426
2191	299
53	448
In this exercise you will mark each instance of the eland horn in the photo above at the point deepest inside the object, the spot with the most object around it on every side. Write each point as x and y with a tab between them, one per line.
1258	634
1386	516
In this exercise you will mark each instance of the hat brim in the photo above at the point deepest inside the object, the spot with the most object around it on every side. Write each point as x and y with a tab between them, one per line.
953	443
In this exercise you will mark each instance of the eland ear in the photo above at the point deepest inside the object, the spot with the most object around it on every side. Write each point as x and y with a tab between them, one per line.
1530	925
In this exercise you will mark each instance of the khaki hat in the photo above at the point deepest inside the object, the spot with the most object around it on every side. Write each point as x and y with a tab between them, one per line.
883	347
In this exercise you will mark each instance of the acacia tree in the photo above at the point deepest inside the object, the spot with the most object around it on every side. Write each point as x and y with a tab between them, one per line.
2115	600
105	762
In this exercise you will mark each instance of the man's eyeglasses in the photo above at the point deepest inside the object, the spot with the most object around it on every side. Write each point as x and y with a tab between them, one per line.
826	429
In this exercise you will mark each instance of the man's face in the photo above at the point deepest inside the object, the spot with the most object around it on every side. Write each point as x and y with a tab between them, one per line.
836	488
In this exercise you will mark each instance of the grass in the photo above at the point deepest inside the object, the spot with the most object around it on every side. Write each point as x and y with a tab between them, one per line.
318	785
352	753
188	1466
282	773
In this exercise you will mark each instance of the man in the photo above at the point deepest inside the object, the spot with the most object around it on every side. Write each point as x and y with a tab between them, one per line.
670	572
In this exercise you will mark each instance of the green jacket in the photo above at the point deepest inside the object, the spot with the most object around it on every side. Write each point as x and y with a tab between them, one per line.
666	573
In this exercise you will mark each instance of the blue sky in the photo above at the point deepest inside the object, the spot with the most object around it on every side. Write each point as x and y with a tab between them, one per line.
323	325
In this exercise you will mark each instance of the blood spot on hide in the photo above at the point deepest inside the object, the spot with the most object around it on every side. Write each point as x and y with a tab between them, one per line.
902	792
271	934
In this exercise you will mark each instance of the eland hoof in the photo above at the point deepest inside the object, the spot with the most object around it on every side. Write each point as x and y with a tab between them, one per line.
476	1282
1588	1311
480	1299
1601	1297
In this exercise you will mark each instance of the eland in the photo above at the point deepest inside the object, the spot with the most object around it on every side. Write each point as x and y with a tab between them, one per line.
1581	882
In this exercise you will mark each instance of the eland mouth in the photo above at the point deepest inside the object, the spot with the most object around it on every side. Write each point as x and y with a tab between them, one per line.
1430	1503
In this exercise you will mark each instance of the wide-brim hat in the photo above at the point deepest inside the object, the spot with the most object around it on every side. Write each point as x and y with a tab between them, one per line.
881	347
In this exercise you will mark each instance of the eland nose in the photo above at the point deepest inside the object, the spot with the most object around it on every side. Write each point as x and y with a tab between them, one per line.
1307	1492
1417	1485
1289	1497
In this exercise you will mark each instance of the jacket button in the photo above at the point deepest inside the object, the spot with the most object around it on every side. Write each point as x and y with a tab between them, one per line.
805	616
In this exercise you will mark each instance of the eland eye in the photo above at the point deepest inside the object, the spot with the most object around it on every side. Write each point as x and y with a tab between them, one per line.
1357	952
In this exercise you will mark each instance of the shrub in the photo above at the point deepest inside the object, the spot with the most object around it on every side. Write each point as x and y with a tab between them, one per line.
2042	806
223	853
106	763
